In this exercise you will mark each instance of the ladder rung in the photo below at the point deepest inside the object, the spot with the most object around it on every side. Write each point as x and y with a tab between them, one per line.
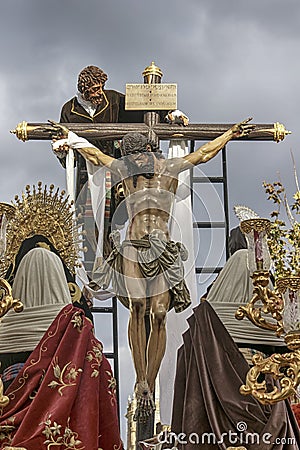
102	309
208	179
208	269
209	225
111	355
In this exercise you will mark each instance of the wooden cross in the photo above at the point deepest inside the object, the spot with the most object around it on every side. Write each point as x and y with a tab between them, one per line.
150	128
150	96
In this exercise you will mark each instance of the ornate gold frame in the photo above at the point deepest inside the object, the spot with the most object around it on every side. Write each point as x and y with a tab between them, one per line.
268	303
7	302
287	382
283	368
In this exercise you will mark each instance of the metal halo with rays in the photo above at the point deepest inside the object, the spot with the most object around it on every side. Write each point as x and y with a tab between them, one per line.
45	212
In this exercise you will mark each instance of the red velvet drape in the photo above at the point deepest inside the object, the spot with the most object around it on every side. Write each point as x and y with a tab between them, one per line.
64	397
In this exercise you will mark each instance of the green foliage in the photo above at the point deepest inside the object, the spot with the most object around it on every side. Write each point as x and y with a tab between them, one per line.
284	235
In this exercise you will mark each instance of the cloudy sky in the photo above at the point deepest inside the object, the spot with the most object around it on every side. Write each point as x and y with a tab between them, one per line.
231	60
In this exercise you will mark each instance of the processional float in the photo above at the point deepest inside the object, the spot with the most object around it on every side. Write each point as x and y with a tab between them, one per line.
151	97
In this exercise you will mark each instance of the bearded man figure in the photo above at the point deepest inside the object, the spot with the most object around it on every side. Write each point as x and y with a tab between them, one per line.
95	104
146	269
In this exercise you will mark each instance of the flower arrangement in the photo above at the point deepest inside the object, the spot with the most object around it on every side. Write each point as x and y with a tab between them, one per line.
284	235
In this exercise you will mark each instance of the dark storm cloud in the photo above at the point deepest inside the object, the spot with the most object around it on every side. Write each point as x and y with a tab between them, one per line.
230	60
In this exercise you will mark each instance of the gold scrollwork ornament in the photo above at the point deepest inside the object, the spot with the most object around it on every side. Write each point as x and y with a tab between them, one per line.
268	303
7	301
285	368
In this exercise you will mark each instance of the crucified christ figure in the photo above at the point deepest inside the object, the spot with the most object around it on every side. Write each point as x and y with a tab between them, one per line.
146	269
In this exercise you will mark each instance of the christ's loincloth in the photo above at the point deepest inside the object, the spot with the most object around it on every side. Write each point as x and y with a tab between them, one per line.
155	256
